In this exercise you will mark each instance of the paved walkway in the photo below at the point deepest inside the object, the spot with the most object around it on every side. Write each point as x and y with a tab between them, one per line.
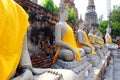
112	72
116	67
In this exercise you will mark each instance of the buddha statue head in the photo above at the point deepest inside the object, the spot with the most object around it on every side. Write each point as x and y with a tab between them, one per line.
108	29
63	13
91	30
100	34
81	26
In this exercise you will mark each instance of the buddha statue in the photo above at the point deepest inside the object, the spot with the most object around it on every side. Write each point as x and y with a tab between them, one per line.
91	37
67	49
99	42
99	39
108	39
83	41
68	55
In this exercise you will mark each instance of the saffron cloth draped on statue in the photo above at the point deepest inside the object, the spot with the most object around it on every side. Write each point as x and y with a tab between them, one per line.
13	26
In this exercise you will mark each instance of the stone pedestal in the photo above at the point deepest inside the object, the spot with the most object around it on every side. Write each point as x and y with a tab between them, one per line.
114	51
82	68
98	71
94	59
105	50
100	53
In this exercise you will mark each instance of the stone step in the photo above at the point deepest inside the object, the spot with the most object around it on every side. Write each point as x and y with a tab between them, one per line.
97	72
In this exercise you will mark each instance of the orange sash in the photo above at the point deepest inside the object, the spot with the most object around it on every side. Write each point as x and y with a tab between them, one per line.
87	41
69	39
110	39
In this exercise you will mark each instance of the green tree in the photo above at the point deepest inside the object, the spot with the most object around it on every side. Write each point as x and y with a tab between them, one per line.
71	14
114	22
115	15
102	26
49	4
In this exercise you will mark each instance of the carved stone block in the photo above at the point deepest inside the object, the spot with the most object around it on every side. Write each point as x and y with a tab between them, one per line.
93	59
100	53
82	68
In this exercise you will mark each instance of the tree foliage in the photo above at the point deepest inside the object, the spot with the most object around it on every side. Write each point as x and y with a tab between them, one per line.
49	4
71	14
102	26
115	15
114	22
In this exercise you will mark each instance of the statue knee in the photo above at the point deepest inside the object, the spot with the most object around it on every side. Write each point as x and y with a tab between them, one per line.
82	52
87	50
66	55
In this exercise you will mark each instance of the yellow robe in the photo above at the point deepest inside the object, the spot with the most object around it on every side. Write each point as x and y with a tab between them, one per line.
110	39
69	39
101	41
13	26
93	40
87	41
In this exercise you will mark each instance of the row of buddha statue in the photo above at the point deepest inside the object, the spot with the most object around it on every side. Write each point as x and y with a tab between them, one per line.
69	51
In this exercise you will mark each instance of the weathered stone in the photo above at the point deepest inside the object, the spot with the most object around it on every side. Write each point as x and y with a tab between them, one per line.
100	53
93	59
82	68
99	70
69	65
91	15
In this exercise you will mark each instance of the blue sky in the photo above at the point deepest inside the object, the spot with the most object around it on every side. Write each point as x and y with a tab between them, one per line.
101	7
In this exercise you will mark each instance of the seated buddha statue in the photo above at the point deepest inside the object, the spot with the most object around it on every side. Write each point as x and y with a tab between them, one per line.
91	37
99	39
67	49
17	50
83	41
96	39
108	39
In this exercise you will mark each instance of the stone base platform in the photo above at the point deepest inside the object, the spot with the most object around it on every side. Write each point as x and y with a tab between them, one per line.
98	71
85	69
82	68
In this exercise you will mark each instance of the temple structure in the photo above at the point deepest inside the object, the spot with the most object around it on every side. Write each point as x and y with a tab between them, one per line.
71	4
80	20
91	15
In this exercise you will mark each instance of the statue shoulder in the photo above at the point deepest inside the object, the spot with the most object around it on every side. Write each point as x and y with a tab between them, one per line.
80	31
59	24
89	34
